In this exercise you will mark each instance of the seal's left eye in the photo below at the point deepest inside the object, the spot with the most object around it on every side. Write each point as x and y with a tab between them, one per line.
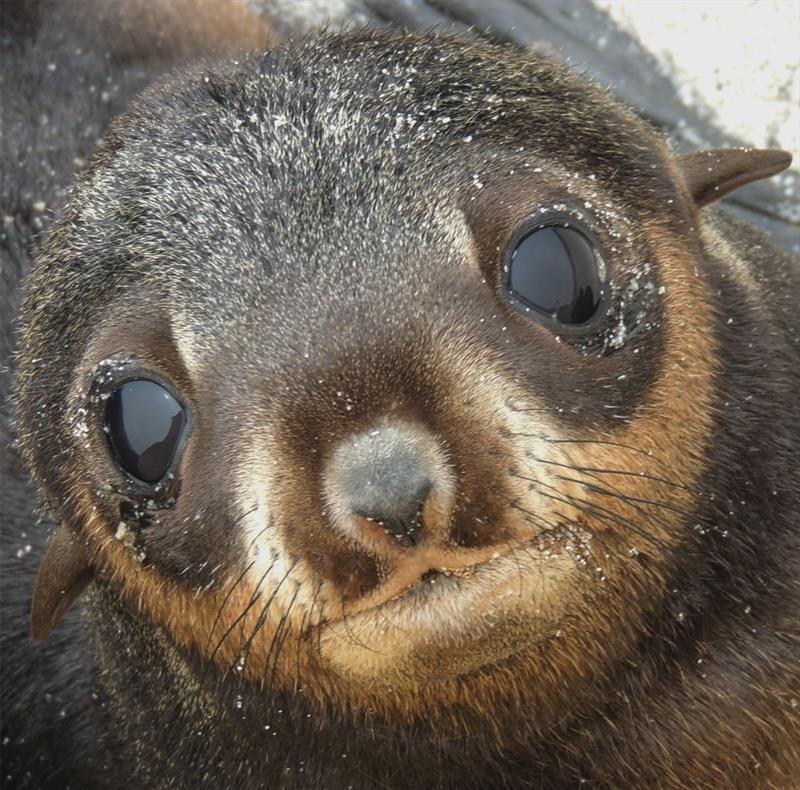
144	424
556	270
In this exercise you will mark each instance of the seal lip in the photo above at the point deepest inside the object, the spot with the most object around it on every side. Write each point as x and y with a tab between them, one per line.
565	220
497	567
454	626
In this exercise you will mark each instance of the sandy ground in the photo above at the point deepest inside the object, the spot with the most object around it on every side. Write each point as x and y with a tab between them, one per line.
738	61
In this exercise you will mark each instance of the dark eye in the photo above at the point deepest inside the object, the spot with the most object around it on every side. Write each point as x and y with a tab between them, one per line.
144	423
557	271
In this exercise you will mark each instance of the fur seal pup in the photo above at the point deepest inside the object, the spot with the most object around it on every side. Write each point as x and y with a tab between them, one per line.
409	420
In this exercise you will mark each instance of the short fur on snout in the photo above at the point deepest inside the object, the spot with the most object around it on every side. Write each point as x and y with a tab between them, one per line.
311	250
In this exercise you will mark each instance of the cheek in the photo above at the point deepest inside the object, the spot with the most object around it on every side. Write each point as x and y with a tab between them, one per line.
643	481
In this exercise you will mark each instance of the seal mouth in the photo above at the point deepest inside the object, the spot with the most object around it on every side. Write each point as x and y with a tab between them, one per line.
444	621
444	603
426	566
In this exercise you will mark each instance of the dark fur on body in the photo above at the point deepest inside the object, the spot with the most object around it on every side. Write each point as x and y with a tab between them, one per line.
708	696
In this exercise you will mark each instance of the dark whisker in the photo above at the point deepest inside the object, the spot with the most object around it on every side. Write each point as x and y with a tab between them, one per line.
562	525
590	508
622	472
628	498
253	598
235	584
350	635
262	616
304	634
278	640
604	442
225	602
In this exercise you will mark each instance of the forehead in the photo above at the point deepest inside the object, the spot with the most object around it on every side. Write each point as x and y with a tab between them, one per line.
297	168
347	122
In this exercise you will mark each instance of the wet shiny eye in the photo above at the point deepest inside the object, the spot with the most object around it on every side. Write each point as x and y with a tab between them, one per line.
144	423
557	271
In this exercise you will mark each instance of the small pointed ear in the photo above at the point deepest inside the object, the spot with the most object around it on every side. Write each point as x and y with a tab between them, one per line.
712	174
64	573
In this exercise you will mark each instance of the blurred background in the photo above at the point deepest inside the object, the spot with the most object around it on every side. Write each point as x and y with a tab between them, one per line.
737	61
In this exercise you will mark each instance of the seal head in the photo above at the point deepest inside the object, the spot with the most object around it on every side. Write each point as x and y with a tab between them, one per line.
381	387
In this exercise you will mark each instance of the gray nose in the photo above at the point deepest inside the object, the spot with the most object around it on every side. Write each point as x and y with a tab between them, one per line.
385	475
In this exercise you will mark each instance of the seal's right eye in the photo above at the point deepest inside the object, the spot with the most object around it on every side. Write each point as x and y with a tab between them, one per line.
144	423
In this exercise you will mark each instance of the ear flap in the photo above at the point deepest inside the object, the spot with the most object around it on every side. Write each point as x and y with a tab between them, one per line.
64	573
712	174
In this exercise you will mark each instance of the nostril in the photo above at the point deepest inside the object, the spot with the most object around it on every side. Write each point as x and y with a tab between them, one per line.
409	533
402	516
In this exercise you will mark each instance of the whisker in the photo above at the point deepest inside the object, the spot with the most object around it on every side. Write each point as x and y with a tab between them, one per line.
594	510
312	655
603	442
225	603
262	616
628	498
253	598
565	526
613	491
621	472
235	584
278	641
350	635
305	630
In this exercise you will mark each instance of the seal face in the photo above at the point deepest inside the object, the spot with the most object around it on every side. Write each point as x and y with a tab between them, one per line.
374	398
